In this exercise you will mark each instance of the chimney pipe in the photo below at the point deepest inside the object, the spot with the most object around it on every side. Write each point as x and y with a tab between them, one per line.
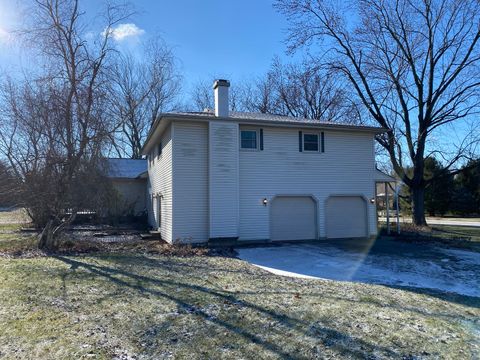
220	87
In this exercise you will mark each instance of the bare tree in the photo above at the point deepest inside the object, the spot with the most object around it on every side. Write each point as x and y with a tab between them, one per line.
140	90
53	124
413	65
202	96
310	92
297	90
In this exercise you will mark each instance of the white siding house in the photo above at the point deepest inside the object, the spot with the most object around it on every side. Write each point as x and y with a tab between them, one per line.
223	176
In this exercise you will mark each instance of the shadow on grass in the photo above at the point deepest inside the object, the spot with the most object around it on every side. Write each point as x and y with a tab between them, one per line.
190	270
146	285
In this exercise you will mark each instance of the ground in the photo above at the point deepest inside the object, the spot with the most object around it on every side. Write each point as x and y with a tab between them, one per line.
144	305
387	262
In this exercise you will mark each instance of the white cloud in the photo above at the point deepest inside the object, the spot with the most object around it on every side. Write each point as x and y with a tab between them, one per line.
123	31
5	36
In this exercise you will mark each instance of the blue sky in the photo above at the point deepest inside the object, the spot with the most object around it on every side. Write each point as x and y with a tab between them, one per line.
214	38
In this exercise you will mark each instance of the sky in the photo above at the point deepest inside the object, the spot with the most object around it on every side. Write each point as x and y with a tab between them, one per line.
215	38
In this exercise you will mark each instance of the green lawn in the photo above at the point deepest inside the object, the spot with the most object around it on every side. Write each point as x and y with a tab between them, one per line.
136	304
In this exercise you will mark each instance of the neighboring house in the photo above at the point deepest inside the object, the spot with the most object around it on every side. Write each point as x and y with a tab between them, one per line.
129	178
224	175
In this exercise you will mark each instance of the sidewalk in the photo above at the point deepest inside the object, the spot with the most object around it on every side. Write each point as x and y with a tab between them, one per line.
438	221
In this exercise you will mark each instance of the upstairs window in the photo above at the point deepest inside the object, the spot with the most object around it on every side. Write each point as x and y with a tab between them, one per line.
310	142
248	139
159	151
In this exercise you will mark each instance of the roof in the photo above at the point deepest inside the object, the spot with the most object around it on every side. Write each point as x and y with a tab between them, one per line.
126	168
380	176
210	114
260	118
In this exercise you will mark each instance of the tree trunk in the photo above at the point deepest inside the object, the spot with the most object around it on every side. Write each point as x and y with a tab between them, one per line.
46	237
49	237
418	206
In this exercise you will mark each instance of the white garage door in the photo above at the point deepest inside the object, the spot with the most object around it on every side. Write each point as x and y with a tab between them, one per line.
346	217
293	218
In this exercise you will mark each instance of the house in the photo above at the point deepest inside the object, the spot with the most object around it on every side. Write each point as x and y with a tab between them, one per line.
222	176
129	179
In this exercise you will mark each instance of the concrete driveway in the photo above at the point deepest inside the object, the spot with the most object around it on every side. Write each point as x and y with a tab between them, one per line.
382	262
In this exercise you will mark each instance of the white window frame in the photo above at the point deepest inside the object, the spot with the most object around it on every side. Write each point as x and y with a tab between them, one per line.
318	142
257	140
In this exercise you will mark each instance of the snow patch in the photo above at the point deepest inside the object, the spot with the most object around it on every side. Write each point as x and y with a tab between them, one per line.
400	268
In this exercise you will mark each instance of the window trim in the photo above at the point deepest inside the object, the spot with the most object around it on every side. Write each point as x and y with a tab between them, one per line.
257	138
318	142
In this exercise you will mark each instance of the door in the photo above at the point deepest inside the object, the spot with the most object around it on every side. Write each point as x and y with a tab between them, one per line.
346	217
293	218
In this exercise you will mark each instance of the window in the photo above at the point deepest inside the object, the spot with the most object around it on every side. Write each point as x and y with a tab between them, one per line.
248	139
159	151
310	142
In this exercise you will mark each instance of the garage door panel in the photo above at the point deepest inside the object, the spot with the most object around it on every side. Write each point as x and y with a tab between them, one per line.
293	218
346	217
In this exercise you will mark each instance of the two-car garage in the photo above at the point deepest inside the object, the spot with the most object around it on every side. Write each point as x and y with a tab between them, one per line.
296	217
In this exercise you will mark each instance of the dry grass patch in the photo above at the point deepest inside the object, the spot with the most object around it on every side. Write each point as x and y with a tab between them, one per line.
153	306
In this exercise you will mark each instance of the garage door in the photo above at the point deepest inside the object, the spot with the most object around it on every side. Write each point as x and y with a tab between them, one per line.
293	218
346	217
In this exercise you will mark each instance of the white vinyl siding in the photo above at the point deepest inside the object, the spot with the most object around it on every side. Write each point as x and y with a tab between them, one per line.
190	190
346	168
223	179
160	174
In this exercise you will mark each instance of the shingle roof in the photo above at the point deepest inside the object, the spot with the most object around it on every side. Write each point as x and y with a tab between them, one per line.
208	113
126	168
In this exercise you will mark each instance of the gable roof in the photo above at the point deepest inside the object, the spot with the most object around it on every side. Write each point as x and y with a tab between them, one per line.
257	119
125	168
380	176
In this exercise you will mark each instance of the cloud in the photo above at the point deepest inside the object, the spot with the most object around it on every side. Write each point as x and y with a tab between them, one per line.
5	36
123	31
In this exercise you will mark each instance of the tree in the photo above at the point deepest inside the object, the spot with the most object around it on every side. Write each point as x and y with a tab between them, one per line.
296	90
413	65
467	189
8	186
140	89
53	123
439	191
202	96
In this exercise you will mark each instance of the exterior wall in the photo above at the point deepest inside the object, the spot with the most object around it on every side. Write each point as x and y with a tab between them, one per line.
133	194
160	175
223	181
346	167
211	189
190	174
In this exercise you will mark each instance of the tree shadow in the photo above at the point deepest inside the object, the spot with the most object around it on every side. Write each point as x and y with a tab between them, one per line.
145	285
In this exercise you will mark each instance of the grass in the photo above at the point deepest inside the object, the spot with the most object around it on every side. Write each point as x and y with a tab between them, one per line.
449	231
467	237
135	304
121	305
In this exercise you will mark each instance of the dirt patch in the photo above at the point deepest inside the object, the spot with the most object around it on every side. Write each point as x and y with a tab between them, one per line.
17	244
